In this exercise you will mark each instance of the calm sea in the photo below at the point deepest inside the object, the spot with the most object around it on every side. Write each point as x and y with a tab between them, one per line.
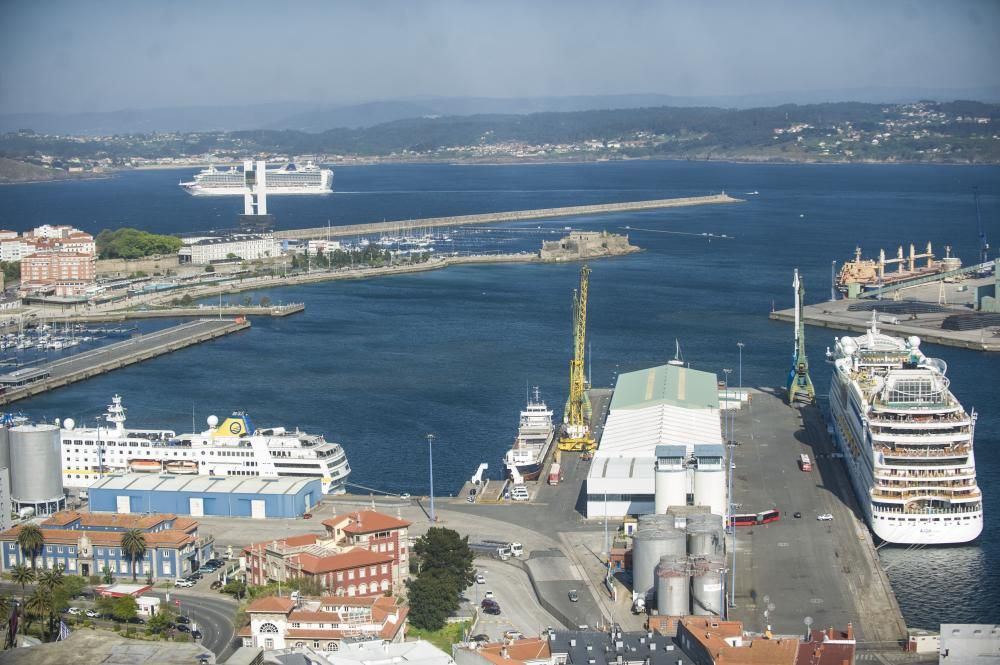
378	364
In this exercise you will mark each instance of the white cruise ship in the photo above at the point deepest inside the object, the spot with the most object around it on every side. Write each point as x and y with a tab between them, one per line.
288	179
907	440
234	448
534	437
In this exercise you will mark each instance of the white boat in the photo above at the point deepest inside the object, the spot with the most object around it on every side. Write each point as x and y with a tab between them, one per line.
233	448
906	439
288	179
534	438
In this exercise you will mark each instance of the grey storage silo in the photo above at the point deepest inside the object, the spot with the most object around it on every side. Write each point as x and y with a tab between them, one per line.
673	585
706	585
649	544
36	468
4	447
704	535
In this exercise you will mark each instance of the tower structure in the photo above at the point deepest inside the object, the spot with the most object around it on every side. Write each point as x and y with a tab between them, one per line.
800	386
576	420
255	218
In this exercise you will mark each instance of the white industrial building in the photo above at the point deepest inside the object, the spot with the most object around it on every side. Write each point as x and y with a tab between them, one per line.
662	445
245	246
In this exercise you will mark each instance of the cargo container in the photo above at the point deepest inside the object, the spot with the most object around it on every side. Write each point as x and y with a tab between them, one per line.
555	474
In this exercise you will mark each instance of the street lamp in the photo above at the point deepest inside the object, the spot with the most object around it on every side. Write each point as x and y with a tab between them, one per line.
741	345
725	399
430	457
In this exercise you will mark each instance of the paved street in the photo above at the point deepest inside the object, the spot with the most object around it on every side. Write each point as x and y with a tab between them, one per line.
212	613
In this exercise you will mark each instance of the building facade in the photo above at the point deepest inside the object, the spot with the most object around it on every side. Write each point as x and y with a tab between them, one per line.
324	623
376	532
87	544
68	273
245	246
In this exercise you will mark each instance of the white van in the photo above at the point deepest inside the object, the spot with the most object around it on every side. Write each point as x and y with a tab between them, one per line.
519	493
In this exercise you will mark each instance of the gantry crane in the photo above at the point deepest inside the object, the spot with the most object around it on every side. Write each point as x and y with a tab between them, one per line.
800	386
576	419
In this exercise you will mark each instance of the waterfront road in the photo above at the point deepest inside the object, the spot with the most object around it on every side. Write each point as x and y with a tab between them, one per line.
214	615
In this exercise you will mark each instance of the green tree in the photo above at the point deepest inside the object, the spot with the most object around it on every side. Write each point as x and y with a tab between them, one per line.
11	271
125	608
432	599
163	620
31	541
107	576
130	243
39	605
442	549
51	579
21	574
74	585
236	588
133	545
105	605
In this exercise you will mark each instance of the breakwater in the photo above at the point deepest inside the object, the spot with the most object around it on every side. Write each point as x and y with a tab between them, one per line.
201	311
351	230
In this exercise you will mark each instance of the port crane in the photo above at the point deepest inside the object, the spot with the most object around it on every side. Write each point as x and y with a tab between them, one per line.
984	244
800	386
576	433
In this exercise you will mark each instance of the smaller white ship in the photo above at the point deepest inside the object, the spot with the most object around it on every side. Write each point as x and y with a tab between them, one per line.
233	448
288	179
534	438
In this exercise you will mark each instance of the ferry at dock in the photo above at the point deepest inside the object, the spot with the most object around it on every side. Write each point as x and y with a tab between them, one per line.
233	448
907	441
288	179
535	434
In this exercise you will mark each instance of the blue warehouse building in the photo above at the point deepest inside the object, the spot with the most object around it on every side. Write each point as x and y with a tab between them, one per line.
205	496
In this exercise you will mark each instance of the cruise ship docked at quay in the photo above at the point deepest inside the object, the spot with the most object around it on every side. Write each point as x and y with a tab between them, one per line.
534	438
907	440
233	448
288	179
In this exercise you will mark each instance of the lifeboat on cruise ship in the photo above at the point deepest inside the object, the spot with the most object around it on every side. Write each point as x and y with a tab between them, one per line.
145	466
182	466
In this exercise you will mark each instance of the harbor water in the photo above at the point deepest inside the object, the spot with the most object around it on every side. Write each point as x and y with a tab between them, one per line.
378	364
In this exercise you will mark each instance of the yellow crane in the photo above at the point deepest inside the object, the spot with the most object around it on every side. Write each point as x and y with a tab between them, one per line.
576	428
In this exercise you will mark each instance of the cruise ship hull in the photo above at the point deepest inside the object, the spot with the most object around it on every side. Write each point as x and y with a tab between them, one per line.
197	190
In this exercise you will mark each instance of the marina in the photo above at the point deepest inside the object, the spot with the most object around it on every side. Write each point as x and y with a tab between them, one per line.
28	382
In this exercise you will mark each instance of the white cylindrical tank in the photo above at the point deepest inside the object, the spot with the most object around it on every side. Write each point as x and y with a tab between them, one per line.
35	465
705	535
710	489
671	488
706	586
673	586
649	544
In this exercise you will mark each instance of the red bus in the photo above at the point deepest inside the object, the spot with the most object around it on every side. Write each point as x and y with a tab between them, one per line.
804	462
752	519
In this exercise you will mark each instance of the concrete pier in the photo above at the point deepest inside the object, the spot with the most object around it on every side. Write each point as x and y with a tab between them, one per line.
226	311
121	354
499	217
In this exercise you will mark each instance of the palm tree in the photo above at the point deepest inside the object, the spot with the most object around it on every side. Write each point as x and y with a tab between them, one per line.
50	580
134	547
31	540
37	606
22	575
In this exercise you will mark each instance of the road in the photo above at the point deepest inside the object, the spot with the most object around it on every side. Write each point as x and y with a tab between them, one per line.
213	615
519	609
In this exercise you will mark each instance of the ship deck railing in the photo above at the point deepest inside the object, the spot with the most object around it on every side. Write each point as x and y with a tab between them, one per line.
957	451
925	473
929	493
956	509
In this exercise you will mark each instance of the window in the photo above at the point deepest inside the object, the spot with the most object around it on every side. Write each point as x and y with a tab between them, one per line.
268	628
371	571
385	568
296	624
340	573
315	644
268	643
361	573
350	574
331	646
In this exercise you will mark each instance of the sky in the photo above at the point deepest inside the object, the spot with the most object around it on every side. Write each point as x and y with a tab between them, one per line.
102	55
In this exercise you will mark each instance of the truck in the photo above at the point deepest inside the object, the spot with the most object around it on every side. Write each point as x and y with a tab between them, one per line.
555	474
638	604
517	549
504	552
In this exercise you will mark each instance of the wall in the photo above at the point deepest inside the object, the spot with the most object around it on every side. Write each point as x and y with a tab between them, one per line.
220	504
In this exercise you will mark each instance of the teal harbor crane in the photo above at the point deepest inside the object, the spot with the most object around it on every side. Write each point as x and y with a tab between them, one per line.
800	386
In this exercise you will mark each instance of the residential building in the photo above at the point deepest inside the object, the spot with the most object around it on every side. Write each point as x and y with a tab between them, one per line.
86	543
828	647
419	652
709	641
376	532
339	570
67	273
578	647
45	238
244	246
324	624
529	651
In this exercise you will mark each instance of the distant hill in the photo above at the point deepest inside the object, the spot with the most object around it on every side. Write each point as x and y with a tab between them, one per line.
317	118
12	170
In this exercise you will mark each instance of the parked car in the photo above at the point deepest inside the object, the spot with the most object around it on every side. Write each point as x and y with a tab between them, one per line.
480	578
93	614
493	609
217	584
182	628
574	596
825	517
182	619
482	637
797	515
488	595
183	584
513	635
487	602
74	610
196	634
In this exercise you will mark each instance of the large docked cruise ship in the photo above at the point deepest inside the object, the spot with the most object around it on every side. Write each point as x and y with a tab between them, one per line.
234	448
534	438
288	179
907	440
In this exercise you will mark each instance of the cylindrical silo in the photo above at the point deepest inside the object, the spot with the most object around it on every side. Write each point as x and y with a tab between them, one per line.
36	468
4	447
706	586
673	586
710	489
671	485
649	544
705	535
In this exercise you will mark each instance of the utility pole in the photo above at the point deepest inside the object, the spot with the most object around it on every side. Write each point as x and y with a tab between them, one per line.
430	456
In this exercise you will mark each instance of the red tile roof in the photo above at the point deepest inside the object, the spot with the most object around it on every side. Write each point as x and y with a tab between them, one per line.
165	538
272	604
116	520
365	521
343	561
518	651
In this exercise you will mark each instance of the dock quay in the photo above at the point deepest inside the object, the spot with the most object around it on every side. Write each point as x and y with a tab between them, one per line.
226	311
921	313
115	356
375	228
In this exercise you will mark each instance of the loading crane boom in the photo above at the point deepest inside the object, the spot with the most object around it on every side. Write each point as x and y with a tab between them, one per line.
576	428
984	244
800	386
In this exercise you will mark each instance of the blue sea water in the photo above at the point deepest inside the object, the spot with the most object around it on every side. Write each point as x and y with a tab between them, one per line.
378	364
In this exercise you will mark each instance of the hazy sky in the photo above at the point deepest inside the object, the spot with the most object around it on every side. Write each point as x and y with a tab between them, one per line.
98	55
